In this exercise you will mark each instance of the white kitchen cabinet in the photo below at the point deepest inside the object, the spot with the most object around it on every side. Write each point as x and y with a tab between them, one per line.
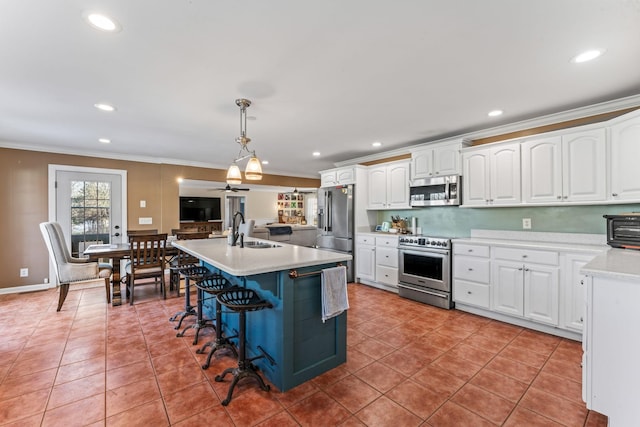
565	168
388	186
339	176
572	308
471	274
525	283
625	152
365	257
436	160
491	175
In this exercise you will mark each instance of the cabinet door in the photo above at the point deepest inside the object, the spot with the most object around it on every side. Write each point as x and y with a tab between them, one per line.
573	306
422	164
475	170
446	160
387	257
584	166
505	174
366	262
398	185
328	179
377	187
345	176
541	294
625	152
542	170
508	287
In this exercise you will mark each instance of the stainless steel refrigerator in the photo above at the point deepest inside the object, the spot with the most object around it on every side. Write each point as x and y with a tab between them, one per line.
335	222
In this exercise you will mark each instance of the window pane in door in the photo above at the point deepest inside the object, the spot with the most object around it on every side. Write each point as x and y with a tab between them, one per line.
90	214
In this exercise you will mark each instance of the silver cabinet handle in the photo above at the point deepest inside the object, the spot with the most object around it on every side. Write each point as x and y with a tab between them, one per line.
524	256
470	250
520	269
469	292
582	282
614	194
526	269
566	197
559	197
471	269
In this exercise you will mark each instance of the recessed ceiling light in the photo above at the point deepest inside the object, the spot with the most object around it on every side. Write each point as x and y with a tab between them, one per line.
315	154
377	144
495	113
265	162
588	55
104	107
102	22
104	140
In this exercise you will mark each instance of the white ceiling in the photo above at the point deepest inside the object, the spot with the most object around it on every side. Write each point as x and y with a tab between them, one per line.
332	76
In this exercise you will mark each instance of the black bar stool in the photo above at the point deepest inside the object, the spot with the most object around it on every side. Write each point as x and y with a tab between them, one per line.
195	272
215	285
242	300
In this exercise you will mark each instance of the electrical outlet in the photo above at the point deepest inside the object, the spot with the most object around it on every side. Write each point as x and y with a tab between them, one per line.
24	272
46	280
526	223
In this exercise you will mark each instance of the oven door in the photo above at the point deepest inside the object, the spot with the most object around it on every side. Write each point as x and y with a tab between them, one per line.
425	268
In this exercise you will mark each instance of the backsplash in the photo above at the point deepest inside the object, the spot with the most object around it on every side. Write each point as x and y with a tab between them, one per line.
458	222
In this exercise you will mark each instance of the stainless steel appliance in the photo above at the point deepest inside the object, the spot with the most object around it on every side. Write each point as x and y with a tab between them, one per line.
335	221
439	191
424	270
623	230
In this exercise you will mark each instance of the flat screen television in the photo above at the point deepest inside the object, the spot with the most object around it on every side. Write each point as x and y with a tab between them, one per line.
200	209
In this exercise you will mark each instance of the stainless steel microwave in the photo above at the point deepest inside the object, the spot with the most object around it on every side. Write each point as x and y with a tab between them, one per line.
439	191
623	230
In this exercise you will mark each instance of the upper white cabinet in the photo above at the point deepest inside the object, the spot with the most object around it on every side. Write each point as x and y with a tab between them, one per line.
438	160
567	168
339	176
389	185
625	152
491	176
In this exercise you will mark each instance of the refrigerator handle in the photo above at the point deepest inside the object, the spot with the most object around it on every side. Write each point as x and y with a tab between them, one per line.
329	212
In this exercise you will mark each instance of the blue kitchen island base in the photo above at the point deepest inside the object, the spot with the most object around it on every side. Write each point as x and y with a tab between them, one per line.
296	344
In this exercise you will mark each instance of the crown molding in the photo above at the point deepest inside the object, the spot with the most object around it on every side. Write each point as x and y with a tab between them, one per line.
563	116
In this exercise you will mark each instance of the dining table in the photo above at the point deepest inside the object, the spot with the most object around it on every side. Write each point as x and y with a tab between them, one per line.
116	252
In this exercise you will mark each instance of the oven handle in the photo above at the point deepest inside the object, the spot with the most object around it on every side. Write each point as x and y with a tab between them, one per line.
422	252
422	290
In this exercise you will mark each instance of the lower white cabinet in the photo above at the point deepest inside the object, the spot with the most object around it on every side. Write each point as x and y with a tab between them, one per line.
471	273
573	284
366	258
377	261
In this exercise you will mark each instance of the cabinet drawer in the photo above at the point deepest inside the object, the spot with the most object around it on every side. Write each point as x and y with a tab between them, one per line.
471	293
526	255
387	257
470	268
470	249
387	275
391	242
365	240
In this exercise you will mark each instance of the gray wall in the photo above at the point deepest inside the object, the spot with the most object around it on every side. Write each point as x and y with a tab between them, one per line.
457	222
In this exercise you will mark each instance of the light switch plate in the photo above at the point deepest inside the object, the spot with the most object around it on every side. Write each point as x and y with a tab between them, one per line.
143	203
145	220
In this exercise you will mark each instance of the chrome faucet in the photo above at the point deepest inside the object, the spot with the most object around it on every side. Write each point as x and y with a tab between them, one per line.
234	232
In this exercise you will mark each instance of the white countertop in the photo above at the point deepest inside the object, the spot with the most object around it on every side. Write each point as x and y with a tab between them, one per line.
615	264
246	261
573	242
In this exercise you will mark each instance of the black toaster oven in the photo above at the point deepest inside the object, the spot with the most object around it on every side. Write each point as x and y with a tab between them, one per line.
623	230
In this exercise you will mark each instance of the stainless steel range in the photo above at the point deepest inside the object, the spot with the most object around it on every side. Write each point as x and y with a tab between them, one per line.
425	270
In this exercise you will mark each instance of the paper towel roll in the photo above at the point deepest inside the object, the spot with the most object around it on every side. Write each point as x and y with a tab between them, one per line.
413	225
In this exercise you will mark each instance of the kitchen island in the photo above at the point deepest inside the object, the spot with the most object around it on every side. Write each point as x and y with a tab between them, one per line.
298	346
610	370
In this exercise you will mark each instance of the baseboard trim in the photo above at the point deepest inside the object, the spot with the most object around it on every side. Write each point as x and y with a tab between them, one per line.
26	288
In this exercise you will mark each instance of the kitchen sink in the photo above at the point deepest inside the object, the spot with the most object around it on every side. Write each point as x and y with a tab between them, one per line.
260	245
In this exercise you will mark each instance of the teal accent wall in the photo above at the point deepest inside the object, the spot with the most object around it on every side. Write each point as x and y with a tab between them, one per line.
452	221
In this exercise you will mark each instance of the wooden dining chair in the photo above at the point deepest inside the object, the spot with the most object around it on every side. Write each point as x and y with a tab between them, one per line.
147	262
183	259
140	232
68	268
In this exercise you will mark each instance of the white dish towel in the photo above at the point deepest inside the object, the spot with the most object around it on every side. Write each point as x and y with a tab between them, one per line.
334	292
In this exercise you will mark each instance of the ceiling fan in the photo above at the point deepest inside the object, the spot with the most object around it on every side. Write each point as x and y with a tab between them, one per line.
230	189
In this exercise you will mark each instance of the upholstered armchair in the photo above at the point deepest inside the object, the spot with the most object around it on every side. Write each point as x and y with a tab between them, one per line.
70	269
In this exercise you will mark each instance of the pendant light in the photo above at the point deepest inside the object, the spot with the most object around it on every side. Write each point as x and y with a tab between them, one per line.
253	171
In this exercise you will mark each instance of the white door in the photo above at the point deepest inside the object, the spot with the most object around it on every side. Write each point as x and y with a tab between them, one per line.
475	165
541	294
398	186
505	174
625	152
542	170
584	173
446	160
508	288
90	205
378	187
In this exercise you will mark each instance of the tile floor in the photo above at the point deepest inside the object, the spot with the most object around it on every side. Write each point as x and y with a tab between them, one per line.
408	364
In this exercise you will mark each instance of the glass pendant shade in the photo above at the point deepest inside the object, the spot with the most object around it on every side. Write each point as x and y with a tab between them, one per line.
253	171
233	175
